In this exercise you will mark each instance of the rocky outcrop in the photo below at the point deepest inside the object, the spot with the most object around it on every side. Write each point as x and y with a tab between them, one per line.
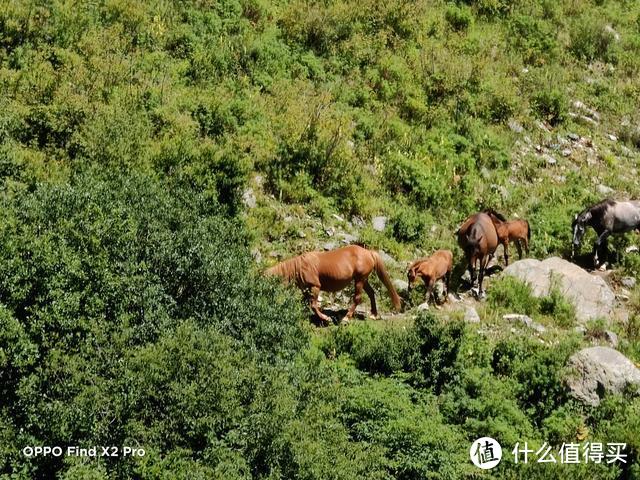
596	371
589	294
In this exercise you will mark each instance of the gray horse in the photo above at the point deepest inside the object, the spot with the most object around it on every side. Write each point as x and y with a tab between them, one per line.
606	217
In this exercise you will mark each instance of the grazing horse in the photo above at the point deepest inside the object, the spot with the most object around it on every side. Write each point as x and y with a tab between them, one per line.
606	217
517	231
332	271
431	269
478	239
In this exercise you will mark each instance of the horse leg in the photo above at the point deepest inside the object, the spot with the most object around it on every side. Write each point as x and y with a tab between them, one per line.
429	283
602	240
505	246
519	247
447	279
315	306
483	267
357	298
372	299
472	271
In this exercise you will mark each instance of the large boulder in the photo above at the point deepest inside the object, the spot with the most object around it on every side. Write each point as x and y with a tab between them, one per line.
589	294
599	370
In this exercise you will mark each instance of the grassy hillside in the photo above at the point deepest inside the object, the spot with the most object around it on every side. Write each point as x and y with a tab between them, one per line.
148	149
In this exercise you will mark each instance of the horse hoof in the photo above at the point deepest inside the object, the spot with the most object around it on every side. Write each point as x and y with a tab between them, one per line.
374	316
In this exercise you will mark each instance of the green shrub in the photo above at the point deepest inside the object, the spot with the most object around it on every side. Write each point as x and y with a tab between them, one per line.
555	305
550	105
459	18
590	40
407	225
512	294
439	347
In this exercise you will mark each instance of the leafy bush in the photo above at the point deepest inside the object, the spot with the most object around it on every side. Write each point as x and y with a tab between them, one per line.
407	225
512	294
550	105
459	18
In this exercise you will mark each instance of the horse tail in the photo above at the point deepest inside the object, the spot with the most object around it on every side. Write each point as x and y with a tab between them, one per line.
528	231
384	278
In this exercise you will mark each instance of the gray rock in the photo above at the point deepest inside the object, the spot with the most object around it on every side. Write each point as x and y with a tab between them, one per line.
596	371
525	320
400	285
386	258
549	159
379	223
515	126
348	238
604	190
573	136
566	152
423	306
249	198
589	294
611	337
471	316
628	282
611	31
329	246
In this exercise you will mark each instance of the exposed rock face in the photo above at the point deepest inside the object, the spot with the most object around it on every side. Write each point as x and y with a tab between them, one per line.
599	370
589	294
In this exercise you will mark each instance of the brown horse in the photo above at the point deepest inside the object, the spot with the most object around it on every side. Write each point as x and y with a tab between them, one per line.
478	239
332	271
517	231
431	269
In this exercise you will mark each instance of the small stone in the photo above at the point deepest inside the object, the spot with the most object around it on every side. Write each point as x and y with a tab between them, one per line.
604	190
612	137
588	120
549	159
525	320
611	337
631	248
628	282
379	223
337	217
515	126
400	285
580	329
348	238
579	105
329	246
574	137
566	152
301	234
249	198
471	316
423	306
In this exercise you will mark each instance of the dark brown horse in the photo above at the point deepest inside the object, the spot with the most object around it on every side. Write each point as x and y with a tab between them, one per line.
516	231
332	271
431	269
478	239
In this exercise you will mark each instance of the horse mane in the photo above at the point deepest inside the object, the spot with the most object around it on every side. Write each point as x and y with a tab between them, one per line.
287	269
597	210
491	211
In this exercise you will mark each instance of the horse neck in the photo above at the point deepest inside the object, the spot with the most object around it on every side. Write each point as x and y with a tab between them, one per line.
288	269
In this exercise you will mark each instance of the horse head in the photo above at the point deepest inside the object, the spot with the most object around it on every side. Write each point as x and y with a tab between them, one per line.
578	227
